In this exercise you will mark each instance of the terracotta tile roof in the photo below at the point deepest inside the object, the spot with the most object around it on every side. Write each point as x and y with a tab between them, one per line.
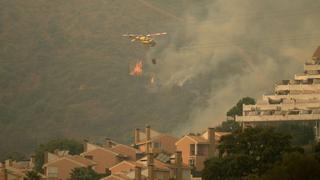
202	138
160	165
101	149
116	177
124	149
82	160
317	53
166	166
132	163
75	159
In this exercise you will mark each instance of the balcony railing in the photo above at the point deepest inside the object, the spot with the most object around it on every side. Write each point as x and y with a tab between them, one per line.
306	76
293	96
311	67
298	87
268	118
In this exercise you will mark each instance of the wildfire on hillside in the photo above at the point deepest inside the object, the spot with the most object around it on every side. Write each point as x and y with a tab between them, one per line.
137	70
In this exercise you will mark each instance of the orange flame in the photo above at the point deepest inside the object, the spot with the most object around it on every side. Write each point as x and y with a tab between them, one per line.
137	70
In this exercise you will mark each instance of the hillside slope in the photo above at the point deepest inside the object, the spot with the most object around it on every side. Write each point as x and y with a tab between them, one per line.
64	71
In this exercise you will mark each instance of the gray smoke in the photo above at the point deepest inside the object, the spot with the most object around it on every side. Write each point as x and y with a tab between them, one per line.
241	48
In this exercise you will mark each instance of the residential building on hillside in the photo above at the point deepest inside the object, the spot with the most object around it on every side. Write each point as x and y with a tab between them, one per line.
16	170
196	148
153	141
131	153
125	167
297	99
117	177
151	167
109	154
59	166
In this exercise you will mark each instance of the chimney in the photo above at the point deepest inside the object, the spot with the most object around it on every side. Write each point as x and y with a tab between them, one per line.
108	143
178	163
3	174
8	163
46	157
136	136
32	161
85	146
150	166
148	138
137	173
211	140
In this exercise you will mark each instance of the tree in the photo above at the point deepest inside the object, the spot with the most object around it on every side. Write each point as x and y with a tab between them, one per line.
317	151
228	168
32	175
237	109
74	147
294	166
228	126
250	152
263	142
302	134
84	174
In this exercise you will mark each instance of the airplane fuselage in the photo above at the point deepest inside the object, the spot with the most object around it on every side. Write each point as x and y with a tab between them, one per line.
146	40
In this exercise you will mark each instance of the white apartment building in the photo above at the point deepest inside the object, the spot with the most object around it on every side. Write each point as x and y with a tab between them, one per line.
297	99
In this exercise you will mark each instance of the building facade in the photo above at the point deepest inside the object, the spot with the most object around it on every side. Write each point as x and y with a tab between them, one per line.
297	99
151	141
196	148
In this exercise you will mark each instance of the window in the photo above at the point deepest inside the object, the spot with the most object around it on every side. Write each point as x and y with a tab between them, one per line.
156	145
158	176
192	149
191	163
52	172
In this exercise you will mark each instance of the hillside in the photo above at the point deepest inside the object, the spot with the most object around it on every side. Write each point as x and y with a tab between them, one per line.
64	72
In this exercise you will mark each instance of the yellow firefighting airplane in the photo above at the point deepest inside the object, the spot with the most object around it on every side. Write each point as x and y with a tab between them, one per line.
145	39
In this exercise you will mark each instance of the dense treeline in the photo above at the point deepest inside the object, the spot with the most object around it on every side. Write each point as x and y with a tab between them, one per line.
262	153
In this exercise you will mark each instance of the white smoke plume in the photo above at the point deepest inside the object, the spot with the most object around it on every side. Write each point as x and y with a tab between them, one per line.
242	46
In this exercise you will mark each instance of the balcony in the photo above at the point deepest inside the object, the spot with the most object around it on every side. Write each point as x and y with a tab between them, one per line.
299	87
278	118
309	67
282	107
198	150
292	96
306	76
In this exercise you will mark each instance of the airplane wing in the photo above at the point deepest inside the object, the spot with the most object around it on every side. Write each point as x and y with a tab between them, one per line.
130	35
157	34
